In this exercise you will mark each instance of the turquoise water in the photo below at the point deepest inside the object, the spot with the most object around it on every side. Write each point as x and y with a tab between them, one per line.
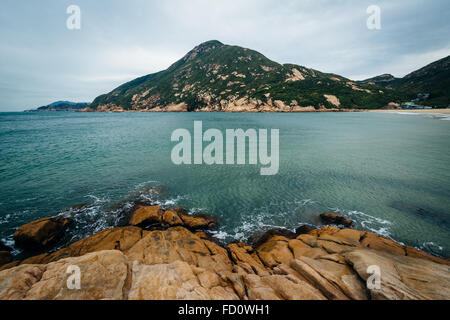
388	172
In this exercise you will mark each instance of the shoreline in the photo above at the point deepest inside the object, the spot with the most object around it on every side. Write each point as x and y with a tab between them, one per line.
169	255
424	111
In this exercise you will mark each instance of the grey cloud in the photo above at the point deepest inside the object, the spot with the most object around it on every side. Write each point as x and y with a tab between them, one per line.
42	61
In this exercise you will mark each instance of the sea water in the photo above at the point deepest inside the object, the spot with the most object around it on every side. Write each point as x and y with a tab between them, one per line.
388	172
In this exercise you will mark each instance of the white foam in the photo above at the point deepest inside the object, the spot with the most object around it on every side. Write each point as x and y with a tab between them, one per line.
25	200
97	199
439	116
5	219
9	242
368	222
431	246
411	113
221	235
167	202
144	184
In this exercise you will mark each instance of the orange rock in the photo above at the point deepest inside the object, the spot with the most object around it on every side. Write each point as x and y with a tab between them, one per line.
275	251
176	263
335	218
415	253
402	278
327	229
171	218
144	216
103	274
40	233
241	254
374	241
109	239
147	215
200	221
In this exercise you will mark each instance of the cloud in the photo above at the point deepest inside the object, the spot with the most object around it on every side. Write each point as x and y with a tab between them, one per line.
138	59
42	61
413	61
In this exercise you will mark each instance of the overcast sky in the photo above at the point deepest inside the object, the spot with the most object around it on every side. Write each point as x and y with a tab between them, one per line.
42	61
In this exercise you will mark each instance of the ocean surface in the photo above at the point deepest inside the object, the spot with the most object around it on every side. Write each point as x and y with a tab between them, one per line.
390	173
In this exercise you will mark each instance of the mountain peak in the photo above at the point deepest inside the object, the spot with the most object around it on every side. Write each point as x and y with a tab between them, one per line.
210	43
442	65
202	48
384	78
217	77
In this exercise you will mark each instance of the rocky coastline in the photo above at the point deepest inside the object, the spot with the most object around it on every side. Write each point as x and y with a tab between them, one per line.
266	109
245	108
169	255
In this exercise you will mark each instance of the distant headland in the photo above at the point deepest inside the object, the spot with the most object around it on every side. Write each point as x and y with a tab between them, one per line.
62	106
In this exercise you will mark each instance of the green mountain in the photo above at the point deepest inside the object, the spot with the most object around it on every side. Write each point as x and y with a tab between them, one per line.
433	79
384	79
218	77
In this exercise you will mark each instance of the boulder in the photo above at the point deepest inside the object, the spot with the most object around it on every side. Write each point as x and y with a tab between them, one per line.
145	216
172	218
303	229
335	218
199	221
40	233
275	251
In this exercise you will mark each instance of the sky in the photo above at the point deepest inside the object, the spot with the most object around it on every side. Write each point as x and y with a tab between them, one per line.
42	61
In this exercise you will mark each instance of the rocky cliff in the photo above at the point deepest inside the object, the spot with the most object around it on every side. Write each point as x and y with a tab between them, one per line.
173	261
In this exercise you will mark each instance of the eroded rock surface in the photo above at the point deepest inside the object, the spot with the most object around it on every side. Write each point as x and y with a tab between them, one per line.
176	263
148	215
335	218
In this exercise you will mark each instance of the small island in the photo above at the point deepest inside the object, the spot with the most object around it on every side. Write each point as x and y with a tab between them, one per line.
62	106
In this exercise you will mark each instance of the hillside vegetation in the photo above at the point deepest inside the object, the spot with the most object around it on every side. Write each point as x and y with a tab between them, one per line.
218	77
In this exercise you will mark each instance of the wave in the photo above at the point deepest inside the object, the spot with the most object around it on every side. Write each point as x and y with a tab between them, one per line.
103	213
410	113
290	215
442	116
5	219
368	222
439	116
432	247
